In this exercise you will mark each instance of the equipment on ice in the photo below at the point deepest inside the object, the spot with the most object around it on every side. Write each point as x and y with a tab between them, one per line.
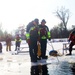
39	50
53	53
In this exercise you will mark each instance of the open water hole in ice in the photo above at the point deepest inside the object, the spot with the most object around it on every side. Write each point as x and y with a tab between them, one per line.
61	68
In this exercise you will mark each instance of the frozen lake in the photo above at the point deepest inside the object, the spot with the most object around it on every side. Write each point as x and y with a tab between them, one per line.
20	64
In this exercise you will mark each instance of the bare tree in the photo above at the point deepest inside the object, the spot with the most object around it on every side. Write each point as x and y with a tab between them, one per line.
64	15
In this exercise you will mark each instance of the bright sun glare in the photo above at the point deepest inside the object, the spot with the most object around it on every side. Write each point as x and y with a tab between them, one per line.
14	13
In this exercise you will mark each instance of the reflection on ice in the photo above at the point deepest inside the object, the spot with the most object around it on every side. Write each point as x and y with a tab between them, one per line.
53	69
39	70
20	64
61	69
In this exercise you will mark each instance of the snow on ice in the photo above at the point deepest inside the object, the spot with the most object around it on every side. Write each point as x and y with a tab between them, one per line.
20	64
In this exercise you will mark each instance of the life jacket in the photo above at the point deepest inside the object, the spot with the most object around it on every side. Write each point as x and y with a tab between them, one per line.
18	39
43	32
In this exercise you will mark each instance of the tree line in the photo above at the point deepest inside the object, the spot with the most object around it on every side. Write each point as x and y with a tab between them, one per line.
19	31
59	31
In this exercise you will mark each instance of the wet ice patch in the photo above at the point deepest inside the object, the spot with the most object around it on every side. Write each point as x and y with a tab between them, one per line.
62	68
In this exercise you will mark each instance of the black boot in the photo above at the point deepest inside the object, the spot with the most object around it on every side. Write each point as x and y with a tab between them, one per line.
45	57
33	59
38	57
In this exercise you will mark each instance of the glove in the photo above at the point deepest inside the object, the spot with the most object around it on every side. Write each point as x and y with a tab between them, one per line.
49	39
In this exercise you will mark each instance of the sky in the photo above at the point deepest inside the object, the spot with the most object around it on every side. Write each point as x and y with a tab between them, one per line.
15	13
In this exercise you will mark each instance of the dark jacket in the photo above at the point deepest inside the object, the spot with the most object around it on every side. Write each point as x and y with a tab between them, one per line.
44	32
8	40
72	36
0	46
32	30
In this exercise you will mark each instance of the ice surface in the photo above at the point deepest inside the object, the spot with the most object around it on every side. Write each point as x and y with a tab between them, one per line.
20	64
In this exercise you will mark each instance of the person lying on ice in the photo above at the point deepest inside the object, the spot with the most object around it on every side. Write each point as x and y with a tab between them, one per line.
72	43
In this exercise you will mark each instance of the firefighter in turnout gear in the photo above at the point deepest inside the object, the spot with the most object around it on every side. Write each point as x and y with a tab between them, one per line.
44	35
72	43
17	43
32	35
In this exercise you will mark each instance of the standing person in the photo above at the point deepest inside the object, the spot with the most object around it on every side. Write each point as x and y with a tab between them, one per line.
32	38
0	47
8	43
17	42
72	43
44	35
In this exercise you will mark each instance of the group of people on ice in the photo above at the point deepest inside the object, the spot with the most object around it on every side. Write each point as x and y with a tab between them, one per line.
37	34
8	40
17	42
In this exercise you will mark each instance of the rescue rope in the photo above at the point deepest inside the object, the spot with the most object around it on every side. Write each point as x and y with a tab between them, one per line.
56	50
53	49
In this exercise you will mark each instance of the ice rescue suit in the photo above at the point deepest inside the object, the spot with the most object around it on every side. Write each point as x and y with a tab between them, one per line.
32	38
44	35
72	39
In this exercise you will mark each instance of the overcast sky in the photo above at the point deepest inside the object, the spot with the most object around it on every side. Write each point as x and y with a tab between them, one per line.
14	13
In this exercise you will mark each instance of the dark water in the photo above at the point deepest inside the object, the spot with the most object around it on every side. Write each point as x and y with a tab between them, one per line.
73	68
39	70
61	68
